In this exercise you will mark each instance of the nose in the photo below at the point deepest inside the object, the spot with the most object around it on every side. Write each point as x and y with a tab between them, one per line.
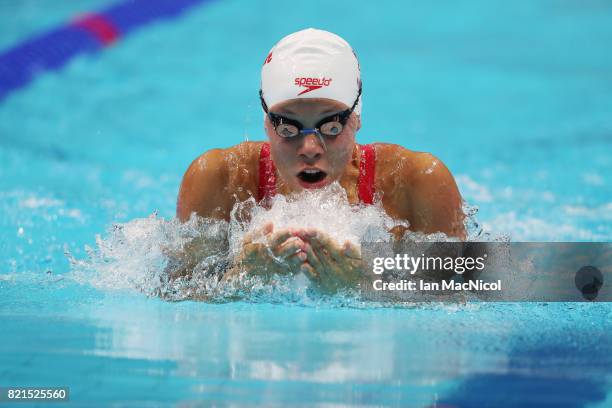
311	147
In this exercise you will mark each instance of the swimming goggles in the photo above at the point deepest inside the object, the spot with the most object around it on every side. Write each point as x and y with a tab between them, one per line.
331	126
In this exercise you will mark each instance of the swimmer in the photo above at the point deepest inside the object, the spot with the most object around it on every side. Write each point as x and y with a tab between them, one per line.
311	97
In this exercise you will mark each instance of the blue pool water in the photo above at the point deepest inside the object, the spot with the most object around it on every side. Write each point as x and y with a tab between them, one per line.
514	98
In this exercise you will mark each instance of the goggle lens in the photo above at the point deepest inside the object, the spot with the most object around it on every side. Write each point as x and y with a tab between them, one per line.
287	130
331	129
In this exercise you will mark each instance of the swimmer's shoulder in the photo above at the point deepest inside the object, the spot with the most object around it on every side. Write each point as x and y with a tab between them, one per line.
202	186
244	155
404	166
216	178
419	187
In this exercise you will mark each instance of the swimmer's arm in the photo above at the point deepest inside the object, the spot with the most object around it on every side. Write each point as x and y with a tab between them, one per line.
202	193
434	202
203	190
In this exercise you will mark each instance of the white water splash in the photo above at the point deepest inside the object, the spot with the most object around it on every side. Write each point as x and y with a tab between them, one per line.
325	209
148	254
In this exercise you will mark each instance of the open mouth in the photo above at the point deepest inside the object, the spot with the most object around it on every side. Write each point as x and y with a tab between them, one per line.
311	175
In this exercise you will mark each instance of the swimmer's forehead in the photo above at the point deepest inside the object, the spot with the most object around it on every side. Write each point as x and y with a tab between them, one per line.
311	107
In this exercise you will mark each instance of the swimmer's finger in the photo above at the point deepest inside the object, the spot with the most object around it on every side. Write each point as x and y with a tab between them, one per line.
326	268
267	228
310	272
291	251
248	249
322	239
351	250
307	234
291	246
279	237
312	258
326	247
257	234
342	260
251	252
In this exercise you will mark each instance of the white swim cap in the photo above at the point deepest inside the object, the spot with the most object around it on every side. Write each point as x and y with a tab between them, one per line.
311	64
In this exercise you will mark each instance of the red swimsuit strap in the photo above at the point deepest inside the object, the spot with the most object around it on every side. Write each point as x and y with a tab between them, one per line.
365	185
267	174
367	166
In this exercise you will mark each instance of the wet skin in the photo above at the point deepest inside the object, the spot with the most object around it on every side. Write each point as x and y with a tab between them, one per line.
414	187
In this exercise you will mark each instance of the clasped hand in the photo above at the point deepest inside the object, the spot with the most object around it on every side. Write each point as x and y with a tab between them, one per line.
329	265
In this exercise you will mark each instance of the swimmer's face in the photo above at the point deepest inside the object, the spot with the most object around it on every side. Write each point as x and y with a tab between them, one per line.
311	161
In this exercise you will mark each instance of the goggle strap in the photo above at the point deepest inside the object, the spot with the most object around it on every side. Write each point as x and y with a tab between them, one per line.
263	102
356	100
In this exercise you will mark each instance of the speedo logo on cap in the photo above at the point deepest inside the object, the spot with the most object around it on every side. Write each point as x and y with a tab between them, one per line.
311	83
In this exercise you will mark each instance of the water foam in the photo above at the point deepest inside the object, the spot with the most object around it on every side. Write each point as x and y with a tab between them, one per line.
325	209
148	254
